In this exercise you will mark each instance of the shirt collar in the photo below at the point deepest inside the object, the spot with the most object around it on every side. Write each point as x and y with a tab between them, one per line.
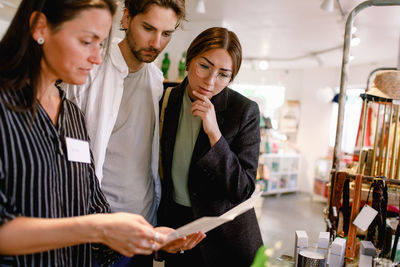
117	59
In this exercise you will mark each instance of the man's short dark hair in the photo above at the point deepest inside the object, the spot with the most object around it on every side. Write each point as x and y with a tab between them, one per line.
136	7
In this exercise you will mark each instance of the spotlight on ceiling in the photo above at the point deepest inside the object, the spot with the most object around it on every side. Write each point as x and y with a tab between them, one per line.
200	7
263	65
328	5
355	41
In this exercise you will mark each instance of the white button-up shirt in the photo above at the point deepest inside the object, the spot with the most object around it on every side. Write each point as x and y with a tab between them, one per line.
100	99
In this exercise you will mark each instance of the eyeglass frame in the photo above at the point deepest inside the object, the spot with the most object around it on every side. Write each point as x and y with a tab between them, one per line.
204	70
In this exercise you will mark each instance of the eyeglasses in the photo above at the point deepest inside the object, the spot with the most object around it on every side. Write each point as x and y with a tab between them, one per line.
204	71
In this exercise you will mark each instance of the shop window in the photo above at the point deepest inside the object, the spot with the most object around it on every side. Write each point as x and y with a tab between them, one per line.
268	97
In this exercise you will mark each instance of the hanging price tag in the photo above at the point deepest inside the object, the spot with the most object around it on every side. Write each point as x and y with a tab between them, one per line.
365	217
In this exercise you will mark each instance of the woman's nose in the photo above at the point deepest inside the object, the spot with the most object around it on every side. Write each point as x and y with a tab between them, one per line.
95	57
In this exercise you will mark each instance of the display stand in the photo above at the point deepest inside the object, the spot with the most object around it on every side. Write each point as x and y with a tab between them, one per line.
345	69
381	167
280	172
378	163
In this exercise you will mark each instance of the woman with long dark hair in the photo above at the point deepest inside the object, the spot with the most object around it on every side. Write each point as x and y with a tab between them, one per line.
51	206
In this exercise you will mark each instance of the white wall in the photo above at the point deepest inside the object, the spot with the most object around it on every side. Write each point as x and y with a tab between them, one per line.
3	27
313	136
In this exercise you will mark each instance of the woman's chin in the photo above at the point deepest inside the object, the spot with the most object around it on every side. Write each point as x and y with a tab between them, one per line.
76	81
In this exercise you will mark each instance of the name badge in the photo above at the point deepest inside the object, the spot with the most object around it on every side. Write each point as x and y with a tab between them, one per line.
77	150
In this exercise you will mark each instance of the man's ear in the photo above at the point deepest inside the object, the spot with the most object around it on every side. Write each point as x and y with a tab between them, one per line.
126	18
38	24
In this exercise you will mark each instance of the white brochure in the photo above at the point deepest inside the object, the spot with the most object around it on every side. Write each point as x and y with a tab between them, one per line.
205	224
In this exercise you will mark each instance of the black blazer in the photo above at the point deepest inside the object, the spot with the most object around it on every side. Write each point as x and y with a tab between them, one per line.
220	177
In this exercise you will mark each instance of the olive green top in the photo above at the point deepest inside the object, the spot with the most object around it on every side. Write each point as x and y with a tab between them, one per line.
186	136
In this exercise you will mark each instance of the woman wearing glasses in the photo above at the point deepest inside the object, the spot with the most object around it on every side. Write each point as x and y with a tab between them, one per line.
210	145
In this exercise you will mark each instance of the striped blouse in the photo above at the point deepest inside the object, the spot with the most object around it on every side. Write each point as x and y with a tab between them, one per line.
37	180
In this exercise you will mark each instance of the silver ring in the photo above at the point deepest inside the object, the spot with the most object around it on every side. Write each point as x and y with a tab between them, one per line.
181	251
156	237
153	246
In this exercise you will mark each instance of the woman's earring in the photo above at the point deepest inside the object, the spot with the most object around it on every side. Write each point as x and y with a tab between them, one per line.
40	40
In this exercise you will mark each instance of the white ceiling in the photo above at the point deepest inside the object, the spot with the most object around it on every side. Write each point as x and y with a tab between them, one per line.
285	29
280	30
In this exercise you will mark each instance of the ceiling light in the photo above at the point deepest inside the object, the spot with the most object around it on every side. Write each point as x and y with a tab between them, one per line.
355	41
263	65
327	5
200	7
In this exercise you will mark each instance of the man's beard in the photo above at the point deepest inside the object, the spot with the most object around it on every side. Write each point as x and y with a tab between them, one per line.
138	53
145	58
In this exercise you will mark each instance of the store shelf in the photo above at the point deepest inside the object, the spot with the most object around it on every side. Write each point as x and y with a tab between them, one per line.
278	173
321	179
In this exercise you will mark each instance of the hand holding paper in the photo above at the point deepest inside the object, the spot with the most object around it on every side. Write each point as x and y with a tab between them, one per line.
205	224
183	243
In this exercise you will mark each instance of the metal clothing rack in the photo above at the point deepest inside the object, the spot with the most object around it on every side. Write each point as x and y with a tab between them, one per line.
370	179
350	246
345	70
365	179
344	79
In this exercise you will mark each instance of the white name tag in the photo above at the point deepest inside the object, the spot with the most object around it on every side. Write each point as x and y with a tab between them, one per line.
77	150
365	217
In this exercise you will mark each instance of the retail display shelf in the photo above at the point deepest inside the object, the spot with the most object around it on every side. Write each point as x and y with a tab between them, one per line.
321	179
278	173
